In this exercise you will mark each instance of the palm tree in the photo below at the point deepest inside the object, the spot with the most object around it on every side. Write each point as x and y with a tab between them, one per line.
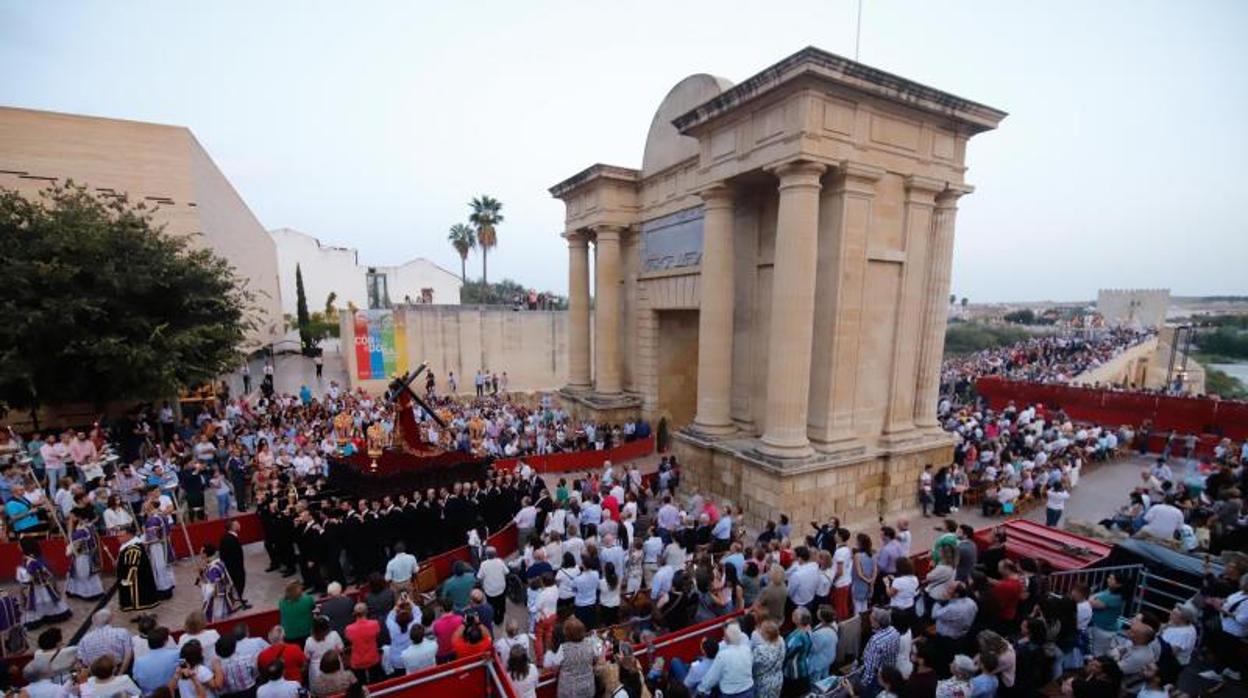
486	215
463	238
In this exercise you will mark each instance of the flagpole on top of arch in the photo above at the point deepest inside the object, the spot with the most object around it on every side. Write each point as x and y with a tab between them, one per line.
858	32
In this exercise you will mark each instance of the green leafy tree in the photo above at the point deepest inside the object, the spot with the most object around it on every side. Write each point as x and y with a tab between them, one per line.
463	238
301	313
1026	316
970	337
1224	385
101	305
486	215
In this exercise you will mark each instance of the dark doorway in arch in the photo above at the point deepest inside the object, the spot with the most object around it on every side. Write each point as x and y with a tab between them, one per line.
678	365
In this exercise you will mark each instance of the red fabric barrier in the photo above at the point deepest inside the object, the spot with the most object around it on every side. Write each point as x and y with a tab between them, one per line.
462	678
1063	550
200	533
581	460
1112	408
476	677
1229	412
505	541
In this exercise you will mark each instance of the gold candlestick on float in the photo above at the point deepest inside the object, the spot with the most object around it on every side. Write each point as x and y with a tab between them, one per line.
376	443
342	429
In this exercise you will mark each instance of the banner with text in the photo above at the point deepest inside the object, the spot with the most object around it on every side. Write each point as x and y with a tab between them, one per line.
380	344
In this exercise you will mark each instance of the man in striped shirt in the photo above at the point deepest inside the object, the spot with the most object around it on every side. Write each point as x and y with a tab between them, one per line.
881	651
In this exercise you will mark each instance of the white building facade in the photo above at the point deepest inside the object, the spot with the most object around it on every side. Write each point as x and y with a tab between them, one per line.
327	269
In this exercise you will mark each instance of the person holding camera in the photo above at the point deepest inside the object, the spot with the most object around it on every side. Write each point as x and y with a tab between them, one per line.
194	679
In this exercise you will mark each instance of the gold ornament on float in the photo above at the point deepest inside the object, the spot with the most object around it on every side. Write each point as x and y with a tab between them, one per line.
376	443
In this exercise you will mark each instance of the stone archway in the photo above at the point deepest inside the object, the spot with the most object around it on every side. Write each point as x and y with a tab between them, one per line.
678	365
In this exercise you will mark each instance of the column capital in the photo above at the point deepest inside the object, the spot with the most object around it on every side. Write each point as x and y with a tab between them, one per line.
717	195
949	197
576	238
610	232
925	188
798	173
857	178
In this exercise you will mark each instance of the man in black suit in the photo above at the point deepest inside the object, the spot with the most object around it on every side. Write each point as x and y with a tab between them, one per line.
231	551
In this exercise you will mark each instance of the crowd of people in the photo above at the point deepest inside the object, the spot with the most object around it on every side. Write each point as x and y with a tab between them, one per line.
608	561
1041	359
1193	504
154	473
1006	460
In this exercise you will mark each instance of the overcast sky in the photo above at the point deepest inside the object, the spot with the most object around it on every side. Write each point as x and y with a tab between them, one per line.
372	124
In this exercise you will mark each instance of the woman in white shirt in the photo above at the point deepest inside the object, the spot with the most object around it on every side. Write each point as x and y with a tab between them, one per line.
512	637
902	590
322	640
116	516
195	679
609	595
1180	633
563	579
1056	504
195	630
522	672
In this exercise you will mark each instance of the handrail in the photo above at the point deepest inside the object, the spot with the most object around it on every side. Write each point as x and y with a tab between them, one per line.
1156	585
439	671
498	675
1061	582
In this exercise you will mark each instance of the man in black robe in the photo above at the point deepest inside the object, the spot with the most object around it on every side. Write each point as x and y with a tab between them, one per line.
356	531
426	524
407	523
285	540
136	586
231	551
392	516
270	512
457	516
334	541
309	538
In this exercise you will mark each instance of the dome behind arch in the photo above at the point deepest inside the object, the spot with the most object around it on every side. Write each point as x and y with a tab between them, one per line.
665	146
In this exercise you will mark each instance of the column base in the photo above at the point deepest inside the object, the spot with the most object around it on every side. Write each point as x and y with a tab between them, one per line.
712	431
785	451
577	388
858	486
902	437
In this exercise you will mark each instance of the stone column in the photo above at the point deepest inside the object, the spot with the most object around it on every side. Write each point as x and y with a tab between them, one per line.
715	314
578	312
935	311
792	311
912	303
607	310
839	287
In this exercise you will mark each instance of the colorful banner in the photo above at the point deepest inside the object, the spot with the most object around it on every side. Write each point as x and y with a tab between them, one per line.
380	344
363	362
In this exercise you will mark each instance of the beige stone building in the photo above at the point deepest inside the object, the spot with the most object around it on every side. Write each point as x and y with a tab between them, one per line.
773	282
163	166
1137	307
